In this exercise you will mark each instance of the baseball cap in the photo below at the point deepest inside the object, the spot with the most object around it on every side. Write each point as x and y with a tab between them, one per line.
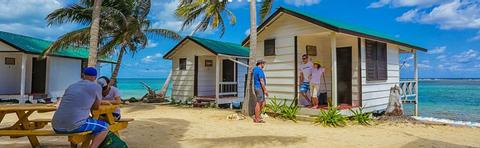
102	82
90	71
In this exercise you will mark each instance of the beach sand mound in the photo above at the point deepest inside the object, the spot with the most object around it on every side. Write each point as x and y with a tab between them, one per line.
173	127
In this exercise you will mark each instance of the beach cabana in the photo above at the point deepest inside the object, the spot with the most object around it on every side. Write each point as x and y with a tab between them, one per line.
24	74
362	64
206	69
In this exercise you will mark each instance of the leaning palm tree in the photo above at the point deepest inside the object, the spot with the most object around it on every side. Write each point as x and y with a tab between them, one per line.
210	13
125	27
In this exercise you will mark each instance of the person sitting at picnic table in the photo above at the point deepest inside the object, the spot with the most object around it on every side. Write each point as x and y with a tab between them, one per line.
73	113
111	95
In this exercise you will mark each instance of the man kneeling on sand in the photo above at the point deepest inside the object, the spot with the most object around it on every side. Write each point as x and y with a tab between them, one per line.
73	113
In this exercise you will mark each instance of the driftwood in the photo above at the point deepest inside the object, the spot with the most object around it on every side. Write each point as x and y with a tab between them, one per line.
394	107
152	96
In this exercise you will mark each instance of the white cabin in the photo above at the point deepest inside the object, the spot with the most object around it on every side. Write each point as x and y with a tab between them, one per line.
205	69
361	64
24	74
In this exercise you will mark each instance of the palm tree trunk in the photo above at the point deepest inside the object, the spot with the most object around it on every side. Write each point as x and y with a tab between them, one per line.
248	102
113	79
92	54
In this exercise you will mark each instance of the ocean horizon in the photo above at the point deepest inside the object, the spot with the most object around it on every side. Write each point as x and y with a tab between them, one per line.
443	98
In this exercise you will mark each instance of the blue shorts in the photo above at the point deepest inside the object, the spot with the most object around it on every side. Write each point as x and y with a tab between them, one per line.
260	95
93	125
304	87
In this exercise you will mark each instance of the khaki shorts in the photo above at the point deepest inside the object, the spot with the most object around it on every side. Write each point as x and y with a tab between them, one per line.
315	89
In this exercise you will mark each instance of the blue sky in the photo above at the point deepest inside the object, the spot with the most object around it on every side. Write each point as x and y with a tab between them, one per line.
449	28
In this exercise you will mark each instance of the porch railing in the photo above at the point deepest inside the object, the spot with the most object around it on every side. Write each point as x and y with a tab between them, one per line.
228	88
408	91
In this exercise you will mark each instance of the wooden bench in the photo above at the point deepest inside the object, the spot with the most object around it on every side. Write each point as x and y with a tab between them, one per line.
74	138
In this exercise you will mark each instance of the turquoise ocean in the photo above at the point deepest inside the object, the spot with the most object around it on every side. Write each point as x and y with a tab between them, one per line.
453	99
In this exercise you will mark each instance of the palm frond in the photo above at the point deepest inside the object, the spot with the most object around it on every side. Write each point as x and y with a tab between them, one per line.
75	38
164	33
265	9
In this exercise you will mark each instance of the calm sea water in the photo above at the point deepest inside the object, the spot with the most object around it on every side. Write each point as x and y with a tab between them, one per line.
457	99
132	87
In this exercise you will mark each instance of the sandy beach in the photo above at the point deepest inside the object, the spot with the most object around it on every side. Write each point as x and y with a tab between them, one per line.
169	126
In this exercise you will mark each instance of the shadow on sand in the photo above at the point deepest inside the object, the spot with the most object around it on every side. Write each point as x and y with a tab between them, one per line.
156	132
138	107
141	133
248	141
422	142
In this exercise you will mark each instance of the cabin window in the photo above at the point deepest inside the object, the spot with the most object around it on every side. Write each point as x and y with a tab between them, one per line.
9	61
269	46
376	60
183	64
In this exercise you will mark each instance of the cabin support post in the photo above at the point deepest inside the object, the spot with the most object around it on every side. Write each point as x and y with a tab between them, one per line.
23	75
333	45
217	79
415	59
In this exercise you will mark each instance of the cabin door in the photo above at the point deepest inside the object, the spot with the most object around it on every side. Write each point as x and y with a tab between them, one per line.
228	71
39	75
344	75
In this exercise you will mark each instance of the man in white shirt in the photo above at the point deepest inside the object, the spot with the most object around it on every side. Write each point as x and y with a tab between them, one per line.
305	76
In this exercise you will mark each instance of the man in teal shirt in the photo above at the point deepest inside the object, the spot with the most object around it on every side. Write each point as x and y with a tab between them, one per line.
260	89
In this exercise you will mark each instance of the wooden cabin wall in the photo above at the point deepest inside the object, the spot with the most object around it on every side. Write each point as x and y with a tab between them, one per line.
375	93
280	70
183	80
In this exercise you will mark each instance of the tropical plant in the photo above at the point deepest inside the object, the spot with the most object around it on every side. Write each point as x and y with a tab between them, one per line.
361	117
124	27
289	111
273	106
331	117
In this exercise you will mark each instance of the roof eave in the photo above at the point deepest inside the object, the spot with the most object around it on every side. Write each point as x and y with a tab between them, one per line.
328	26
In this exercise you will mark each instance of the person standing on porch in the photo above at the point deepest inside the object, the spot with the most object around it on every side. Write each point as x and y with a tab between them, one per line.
318	91
73	113
259	82
305	76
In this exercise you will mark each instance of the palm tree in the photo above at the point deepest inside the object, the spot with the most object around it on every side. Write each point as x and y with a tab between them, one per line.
211	12
95	27
125	27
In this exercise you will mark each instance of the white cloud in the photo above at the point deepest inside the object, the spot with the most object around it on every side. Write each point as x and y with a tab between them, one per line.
441	57
27	17
404	3
151	44
408	16
466	56
438	50
299	3
453	14
476	37
152	58
424	66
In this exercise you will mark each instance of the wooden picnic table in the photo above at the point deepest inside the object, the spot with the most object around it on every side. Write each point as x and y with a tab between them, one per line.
23	123
30	126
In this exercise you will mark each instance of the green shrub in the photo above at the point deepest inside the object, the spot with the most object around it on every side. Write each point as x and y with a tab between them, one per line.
361	117
282	109
331	117
273	106
289	111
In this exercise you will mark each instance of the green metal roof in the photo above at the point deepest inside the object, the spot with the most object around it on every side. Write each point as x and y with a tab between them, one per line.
36	46
340	27
216	47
